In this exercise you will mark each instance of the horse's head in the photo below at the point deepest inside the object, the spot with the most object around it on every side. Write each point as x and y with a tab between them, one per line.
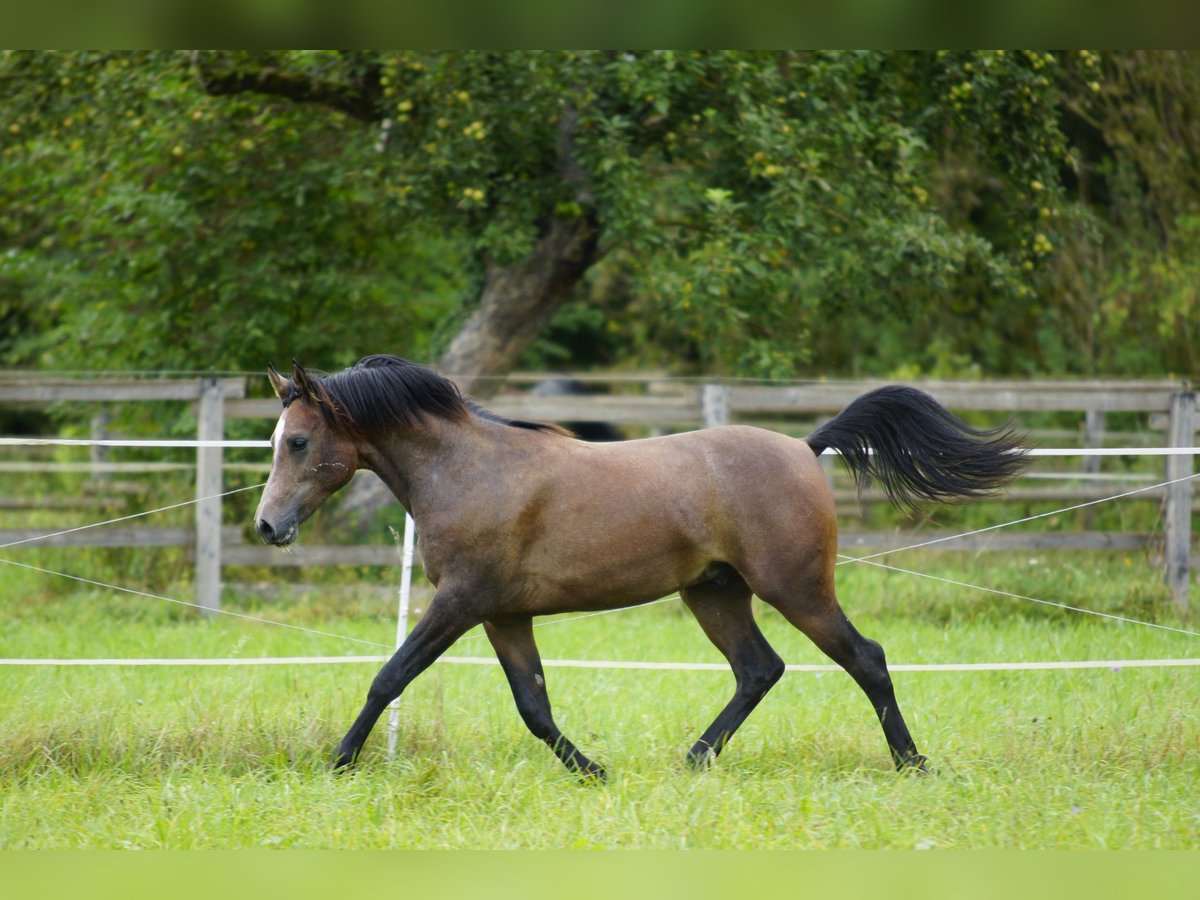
311	457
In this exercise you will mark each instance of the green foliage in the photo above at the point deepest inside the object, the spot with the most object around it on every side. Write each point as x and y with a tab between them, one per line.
759	213
149	227
761	201
1121	294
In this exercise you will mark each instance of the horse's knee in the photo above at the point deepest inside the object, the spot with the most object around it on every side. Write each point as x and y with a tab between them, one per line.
755	681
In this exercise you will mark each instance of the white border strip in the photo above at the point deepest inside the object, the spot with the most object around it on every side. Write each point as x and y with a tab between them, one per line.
1113	451
124	442
194	444
1114	664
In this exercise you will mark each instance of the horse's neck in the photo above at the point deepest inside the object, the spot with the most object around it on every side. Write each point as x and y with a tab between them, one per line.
417	464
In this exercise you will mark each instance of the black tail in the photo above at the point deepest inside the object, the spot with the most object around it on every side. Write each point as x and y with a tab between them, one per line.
916	449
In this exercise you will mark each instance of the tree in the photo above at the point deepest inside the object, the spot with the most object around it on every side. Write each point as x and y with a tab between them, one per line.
211	205
746	193
1125	284
144	225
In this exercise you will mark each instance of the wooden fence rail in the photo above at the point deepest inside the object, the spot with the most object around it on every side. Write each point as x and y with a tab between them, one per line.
658	404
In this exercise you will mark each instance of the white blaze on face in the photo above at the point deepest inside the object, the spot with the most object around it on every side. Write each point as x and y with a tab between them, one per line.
276	445
277	434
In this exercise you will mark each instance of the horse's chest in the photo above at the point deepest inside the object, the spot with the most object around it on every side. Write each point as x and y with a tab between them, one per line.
477	555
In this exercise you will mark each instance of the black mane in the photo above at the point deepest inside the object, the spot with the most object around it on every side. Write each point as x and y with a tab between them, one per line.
383	391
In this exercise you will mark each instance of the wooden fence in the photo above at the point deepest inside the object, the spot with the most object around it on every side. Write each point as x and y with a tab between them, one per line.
656	404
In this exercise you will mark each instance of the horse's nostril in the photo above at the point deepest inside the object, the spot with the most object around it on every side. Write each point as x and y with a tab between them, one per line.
266	531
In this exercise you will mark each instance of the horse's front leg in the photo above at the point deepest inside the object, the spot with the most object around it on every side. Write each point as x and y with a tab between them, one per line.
443	623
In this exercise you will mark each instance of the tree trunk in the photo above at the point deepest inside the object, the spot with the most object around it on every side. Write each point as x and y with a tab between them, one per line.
516	303
514	306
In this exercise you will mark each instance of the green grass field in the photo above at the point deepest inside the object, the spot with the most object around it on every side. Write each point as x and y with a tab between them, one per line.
189	757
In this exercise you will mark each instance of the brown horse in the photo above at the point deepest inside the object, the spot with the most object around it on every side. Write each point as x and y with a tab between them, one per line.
518	519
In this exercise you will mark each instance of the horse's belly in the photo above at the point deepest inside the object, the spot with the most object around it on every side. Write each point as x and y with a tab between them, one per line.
614	570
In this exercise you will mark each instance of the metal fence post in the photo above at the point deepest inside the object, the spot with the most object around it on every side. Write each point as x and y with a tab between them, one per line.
1179	497
211	415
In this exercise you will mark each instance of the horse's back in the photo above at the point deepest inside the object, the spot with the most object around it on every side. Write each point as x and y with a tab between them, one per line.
733	471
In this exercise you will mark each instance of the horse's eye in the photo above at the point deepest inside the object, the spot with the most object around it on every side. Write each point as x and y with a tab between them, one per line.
297	444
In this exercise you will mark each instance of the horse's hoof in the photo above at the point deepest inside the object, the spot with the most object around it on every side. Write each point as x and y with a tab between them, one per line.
705	758
592	774
917	763
342	762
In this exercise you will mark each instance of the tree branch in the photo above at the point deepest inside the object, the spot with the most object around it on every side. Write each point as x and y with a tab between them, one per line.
358	99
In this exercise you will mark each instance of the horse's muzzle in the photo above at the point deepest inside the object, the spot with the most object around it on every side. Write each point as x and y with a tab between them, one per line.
280	537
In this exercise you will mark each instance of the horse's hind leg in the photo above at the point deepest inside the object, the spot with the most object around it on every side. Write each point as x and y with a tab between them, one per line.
722	607
816	612
518	655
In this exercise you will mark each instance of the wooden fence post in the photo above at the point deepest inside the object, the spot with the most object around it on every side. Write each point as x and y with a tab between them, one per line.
1093	437
1179	497
714	405
99	430
211	415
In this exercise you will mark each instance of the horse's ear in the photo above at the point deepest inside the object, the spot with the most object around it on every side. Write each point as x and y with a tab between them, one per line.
281	386
303	387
